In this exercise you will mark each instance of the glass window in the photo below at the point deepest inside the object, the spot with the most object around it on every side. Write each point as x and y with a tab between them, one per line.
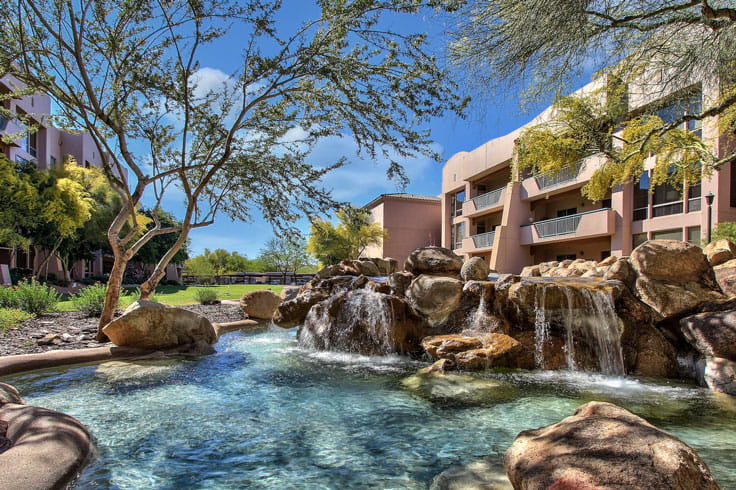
638	238
693	235
458	233
675	234
566	212
52	162
456	207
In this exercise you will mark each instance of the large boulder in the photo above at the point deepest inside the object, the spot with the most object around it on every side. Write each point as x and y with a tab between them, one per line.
621	270
669	260
293	312
674	277
149	325
720	375
672	298
472	352
386	266
720	251
713	334
726	277
436	297
363	322
260	304
399	282
604	446
433	260
48	448
475	269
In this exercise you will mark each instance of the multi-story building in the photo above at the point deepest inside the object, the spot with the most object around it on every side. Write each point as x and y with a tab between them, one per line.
411	221
491	210
44	148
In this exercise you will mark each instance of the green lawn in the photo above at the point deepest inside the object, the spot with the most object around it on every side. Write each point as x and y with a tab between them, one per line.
184	295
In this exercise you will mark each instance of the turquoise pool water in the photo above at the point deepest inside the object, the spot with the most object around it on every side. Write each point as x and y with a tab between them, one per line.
263	413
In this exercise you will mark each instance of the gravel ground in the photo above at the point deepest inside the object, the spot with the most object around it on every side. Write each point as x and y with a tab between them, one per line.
54	331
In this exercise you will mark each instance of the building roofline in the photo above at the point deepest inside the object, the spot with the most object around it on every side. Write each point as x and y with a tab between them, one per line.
404	196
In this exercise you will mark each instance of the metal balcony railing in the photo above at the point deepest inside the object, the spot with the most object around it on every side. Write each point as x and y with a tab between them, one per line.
567	174
565	225
488	199
483	240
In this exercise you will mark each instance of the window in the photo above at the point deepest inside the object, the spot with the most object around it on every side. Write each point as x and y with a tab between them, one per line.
456	204
605	254
693	235
560	258
52	162
482	189
31	144
480	227
641	198
458	233
606	203
675	234
637	239
694	194
566	212
666	200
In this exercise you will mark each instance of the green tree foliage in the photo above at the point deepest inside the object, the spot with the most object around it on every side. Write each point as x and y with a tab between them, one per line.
724	230
132	74
354	232
19	211
652	46
285	255
214	263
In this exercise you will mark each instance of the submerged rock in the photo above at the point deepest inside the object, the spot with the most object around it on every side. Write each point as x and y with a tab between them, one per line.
481	474
604	446
460	388
149	325
119	371
260	304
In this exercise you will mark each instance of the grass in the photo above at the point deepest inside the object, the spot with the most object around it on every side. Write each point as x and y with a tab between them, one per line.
183	295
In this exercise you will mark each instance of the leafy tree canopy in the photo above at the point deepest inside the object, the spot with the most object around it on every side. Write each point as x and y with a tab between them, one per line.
354	232
640	47
285	255
131	74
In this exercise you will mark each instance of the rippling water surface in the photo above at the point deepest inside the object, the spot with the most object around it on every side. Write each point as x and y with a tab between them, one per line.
262	413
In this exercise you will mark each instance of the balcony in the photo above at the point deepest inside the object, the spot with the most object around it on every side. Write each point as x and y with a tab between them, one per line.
483	240
567	174
489	199
599	222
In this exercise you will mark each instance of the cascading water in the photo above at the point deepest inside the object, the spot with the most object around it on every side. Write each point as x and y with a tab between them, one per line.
588	314
479	318
541	327
361	322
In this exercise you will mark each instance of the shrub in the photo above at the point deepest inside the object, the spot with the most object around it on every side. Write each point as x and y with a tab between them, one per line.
11	317
9	298
726	229
19	273
91	299
205	296
34	297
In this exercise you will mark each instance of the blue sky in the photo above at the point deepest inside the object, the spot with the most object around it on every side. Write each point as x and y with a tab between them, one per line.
361	180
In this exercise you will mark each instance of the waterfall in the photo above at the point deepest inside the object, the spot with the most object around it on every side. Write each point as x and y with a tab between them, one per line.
361	321
479	317
541	326
583	313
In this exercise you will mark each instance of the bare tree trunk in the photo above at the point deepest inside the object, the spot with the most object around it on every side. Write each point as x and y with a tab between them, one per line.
114	288
148	288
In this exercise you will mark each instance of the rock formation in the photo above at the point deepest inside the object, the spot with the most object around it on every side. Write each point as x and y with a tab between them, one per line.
261	303
604	446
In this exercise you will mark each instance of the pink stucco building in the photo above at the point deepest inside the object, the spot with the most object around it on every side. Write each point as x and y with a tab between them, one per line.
46	148
411	220
512	220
